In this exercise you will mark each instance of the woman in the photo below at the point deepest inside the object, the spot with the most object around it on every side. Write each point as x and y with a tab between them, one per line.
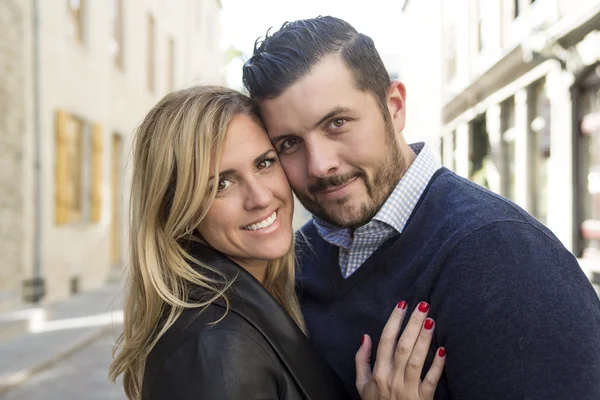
211	311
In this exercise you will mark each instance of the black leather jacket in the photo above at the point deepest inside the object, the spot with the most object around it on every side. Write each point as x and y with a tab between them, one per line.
256	352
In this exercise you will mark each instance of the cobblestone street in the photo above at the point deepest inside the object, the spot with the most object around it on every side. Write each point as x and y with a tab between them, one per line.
83	375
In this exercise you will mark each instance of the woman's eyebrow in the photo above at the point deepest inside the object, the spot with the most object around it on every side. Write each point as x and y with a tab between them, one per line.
233	171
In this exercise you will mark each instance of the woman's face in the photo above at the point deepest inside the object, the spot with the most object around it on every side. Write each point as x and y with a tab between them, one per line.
250	219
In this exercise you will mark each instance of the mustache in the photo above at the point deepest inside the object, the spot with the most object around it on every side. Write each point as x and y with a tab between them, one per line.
322	184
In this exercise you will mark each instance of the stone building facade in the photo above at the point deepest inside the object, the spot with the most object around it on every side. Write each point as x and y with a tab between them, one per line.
76	78
517	103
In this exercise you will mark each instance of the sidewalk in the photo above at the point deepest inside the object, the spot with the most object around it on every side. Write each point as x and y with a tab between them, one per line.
56	331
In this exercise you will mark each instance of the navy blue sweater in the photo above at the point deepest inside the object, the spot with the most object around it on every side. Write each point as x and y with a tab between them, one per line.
517	316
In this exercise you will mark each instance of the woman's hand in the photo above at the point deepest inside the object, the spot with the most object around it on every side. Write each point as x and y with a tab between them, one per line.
397	371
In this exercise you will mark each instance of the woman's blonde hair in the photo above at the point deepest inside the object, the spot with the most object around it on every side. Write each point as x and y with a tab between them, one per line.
173	151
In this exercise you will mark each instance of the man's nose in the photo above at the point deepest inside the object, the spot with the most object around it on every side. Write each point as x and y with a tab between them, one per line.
321	157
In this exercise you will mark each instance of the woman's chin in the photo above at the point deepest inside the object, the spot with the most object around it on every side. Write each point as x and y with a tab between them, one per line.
274	250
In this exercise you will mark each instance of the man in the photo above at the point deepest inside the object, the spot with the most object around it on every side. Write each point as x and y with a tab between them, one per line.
516	314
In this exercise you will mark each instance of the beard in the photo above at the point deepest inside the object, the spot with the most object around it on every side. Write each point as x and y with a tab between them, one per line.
348	214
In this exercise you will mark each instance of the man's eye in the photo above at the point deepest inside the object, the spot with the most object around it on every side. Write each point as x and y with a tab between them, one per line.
338	123
289	143
223	184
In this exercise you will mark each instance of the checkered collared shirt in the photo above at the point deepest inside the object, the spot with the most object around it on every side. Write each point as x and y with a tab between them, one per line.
391	218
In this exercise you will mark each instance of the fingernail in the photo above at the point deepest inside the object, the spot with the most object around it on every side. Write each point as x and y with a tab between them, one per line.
363	340
441	352
402	305
423	307
429	324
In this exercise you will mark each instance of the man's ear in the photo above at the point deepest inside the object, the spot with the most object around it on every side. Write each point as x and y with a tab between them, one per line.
396	100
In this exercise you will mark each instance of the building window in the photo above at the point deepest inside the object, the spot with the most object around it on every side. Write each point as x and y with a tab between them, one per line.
78	169
516	8
69	168
151	53
117	42
480	39
75	9
508	138
171	67
539	153
485	24
450	52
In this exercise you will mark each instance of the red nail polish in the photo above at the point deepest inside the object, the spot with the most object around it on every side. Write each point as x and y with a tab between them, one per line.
441	352
362	340
402	305
423	307
429	324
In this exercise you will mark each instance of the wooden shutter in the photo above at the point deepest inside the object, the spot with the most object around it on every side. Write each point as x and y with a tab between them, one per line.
61	207
96	181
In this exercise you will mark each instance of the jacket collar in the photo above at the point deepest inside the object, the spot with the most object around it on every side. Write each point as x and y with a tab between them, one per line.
250	300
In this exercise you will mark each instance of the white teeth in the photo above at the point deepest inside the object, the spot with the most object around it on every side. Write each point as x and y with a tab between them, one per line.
263	224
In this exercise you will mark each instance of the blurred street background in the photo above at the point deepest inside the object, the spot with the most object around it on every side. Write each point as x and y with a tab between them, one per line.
506	91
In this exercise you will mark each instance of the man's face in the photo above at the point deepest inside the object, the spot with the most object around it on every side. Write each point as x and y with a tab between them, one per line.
342	155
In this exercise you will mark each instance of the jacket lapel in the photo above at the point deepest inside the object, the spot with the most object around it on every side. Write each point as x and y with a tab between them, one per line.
249	299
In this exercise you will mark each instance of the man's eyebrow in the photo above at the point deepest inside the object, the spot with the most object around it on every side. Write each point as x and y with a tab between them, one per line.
330	114
232	171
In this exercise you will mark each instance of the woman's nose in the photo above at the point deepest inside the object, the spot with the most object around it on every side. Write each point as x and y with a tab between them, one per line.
258	196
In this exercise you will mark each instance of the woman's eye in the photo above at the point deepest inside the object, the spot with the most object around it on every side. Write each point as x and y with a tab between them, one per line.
265	163
223	184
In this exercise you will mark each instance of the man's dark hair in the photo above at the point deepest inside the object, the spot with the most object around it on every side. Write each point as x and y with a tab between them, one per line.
281	58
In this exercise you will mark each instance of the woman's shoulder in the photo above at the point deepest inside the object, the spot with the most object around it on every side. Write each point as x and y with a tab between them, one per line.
195	347
213	323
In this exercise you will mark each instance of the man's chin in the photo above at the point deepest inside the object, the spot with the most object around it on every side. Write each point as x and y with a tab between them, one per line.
344	215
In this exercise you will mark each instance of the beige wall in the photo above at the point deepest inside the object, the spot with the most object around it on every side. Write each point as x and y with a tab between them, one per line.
420	70
15	131
83	80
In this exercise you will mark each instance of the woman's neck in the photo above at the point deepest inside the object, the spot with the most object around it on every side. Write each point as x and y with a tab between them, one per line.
256	268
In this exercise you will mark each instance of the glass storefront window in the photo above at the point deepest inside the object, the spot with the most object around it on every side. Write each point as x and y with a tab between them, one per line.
508	148
539	151
589	164
479	152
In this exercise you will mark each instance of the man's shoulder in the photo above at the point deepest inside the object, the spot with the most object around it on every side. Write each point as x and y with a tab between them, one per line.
454	208
307	235
306	239
458	198
308	228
